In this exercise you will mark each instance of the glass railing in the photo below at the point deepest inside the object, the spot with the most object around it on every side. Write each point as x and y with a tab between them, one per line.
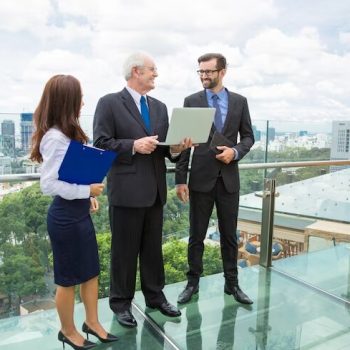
26	261
310	254
23	238
311	232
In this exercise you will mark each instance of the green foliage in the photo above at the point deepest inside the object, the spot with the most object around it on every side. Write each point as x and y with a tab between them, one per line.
104	249
175	260
35	207
22	214
20	275
175	216
12	225
100	218
212	262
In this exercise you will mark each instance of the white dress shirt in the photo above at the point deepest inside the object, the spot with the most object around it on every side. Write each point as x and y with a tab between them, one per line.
136	97
53	148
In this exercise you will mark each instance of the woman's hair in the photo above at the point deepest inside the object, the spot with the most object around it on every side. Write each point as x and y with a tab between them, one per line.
59	107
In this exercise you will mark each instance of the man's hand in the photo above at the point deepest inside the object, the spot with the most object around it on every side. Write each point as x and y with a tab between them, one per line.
227	154
182	192
184	144
146	145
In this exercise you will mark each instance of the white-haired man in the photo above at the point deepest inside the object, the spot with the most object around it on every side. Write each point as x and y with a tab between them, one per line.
132	124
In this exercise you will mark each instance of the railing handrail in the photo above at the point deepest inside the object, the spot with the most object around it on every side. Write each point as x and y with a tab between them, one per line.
300	164
171	169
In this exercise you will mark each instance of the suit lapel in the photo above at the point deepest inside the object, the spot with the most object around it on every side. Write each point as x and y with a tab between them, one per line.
132	108
203	102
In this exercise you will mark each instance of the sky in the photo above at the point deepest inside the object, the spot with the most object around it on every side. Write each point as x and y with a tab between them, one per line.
290	58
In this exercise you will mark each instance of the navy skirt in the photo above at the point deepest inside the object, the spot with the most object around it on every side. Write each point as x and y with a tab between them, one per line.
73	241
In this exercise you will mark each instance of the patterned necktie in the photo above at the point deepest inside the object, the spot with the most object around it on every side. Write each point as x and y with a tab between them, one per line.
145	113
218	118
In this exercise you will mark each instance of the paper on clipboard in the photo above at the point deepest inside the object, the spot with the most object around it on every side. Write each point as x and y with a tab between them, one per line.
85	165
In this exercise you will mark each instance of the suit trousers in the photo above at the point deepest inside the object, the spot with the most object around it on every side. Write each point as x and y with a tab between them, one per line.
136	233
201	207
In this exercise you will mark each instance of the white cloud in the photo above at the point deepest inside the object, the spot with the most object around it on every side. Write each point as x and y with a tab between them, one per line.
344	37
273	92
284	65
26	15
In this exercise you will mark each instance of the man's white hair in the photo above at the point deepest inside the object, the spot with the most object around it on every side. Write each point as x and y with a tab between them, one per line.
136	59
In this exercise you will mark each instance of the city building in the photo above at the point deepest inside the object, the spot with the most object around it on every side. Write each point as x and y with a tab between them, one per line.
257	133
271	134
8	138
340	142
5	164
26	130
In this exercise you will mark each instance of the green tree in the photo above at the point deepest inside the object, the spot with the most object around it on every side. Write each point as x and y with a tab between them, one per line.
104	249
175	260
12	226
20	275
35	207
100	218
175	216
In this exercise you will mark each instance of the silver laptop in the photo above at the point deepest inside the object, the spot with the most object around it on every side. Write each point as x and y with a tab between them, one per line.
190	122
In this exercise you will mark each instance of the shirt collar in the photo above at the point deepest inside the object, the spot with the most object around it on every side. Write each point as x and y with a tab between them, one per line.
135	95
221	93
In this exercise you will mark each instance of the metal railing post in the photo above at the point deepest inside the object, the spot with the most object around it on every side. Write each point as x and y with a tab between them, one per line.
267	216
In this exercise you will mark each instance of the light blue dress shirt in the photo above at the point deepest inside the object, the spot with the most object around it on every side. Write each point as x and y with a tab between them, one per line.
223	104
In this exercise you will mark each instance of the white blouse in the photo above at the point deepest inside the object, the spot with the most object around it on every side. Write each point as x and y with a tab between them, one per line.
53	147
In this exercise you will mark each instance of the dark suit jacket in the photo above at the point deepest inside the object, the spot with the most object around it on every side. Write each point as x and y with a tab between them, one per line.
205	167
133	180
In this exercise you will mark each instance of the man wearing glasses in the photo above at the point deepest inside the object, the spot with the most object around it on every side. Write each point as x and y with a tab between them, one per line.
214	177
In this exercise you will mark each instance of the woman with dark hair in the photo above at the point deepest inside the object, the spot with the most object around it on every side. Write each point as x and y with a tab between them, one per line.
69	223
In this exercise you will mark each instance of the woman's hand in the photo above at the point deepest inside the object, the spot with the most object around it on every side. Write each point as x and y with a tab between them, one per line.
96	189
94	206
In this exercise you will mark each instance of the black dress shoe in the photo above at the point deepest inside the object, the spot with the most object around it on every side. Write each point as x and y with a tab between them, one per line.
110	337
187	293
166	309
125	318
237	293
87	344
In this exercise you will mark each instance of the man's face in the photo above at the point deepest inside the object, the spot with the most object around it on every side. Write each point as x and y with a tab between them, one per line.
147	74
209	75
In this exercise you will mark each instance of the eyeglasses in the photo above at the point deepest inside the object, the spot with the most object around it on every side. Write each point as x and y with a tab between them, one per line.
207	72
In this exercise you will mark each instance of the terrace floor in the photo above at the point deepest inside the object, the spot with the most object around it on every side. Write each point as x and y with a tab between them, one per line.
300	303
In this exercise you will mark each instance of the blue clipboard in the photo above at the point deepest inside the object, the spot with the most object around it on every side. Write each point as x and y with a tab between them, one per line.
85	165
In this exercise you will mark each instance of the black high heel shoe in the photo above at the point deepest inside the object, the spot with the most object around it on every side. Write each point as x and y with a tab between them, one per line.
110	337
87	344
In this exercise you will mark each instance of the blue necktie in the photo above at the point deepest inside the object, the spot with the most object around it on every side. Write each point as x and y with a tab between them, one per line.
145	113
218	118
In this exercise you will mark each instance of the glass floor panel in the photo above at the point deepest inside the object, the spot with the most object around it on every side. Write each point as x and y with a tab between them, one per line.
327	269
286	315
39	331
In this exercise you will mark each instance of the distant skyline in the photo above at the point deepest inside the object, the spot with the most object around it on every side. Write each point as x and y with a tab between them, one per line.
290	58
280	126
